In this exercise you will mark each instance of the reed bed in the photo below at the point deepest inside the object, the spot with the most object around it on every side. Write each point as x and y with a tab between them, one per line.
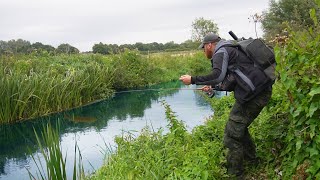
39	84
30	91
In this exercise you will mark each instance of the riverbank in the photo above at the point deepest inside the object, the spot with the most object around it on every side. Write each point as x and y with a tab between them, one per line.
40	84
286	132
199	154
94	127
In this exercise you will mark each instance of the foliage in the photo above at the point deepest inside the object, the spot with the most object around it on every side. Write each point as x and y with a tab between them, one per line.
38	46
144	47
32	86
131	70
199	154
101	49
154	155
38	84
56	164
299	61
15	46
201	27
67	49
146	70
294	12
21	46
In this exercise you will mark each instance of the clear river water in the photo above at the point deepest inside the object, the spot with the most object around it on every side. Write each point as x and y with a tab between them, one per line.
95	126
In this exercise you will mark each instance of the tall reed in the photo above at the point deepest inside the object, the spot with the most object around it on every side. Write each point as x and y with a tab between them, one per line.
55	164
37	85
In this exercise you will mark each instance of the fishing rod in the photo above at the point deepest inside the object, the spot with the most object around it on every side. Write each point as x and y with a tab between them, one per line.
210	93
160	89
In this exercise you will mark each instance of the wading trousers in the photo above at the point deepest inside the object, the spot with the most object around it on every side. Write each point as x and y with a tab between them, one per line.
236	135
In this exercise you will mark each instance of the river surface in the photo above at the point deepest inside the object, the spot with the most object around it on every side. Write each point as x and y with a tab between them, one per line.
95	126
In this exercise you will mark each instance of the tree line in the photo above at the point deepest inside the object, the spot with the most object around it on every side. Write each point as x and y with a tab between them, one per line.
21	46
274	21
102	48
200	27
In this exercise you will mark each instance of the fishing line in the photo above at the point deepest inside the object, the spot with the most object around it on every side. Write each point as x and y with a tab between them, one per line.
166	89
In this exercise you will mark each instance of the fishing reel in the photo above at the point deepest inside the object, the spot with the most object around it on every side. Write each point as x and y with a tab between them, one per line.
211	93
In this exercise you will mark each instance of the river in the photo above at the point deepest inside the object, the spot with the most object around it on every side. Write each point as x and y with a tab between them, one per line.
95	126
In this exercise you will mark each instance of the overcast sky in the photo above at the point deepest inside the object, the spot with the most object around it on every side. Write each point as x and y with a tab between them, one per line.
83	23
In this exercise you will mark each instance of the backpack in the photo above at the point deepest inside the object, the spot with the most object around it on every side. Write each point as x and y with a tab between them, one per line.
247	82
262	55
256	50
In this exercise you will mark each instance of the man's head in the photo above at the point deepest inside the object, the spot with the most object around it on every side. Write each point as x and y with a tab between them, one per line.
209	43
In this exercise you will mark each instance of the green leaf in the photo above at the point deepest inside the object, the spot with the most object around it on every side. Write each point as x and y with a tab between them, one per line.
298	144
313	108
205	174
313	151
314	91
313	16
301	72
305	79
284	76
297	112
318	139
318	163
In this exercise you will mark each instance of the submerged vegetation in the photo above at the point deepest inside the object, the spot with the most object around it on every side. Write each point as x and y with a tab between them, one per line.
36	85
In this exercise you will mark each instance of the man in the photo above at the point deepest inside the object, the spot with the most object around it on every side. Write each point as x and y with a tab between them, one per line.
232	70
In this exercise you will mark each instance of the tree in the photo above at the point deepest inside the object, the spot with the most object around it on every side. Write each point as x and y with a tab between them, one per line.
100	48
4	47
67	48
41	47
114	48
189	44
19	46
201	27
171	45
295	12
126	46
140	46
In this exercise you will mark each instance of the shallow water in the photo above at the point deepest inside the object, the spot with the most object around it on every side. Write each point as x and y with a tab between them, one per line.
96	125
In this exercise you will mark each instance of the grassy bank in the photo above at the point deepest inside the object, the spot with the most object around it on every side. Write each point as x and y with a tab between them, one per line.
39	84
286	131
192	155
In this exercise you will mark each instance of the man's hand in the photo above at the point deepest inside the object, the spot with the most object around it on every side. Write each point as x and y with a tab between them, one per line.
186	79
206	88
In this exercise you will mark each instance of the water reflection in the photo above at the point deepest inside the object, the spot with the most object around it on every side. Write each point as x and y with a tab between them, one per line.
100	120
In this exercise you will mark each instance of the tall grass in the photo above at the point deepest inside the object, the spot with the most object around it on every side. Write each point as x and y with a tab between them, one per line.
199	154
177	154
55	164
29	91
37	85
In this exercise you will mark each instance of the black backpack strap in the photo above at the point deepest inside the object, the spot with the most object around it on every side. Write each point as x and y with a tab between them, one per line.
232	68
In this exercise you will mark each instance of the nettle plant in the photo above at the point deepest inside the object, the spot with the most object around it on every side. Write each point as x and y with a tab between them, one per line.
299	67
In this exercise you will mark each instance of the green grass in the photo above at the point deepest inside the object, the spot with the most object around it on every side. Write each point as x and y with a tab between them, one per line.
37	85
199	154
55	163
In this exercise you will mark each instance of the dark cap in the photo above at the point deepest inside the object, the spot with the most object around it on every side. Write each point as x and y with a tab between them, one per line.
209	38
